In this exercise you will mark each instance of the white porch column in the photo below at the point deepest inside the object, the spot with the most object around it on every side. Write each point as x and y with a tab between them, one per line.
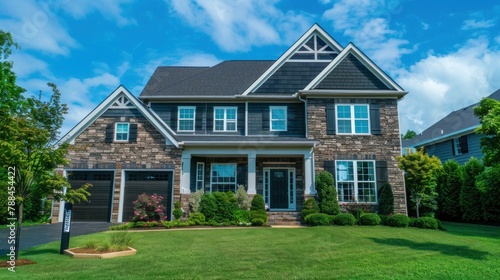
309	173
186	174
252	178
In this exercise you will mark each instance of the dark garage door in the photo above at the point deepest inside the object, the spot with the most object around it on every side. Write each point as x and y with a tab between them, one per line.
98	206
148	182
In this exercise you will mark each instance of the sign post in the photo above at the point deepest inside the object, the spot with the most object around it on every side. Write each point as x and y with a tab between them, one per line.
66	227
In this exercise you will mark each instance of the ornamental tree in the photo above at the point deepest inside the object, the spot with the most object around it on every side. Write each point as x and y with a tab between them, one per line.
29	129
327	194
488	113
420	177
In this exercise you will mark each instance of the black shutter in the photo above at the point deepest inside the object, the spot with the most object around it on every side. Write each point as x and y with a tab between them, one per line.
453	147
330	119
132	137
210	118
173	118
375	119
198	120
109	133
381	171
464	148
265	119
330	167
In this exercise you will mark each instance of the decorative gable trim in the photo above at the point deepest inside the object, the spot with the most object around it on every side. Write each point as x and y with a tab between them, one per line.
315	30
352	49
120	98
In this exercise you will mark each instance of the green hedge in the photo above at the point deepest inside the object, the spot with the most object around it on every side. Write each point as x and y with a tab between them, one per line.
318	219
344	219
370	219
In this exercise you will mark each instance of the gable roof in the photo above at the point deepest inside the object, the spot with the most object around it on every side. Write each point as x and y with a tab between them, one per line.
456	123
352	69
119	98
228	78
315	30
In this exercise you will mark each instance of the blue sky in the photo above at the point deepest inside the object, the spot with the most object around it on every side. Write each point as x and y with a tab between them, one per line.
446	54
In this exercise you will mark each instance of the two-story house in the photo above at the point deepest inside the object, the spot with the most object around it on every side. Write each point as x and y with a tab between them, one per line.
267	125
452	137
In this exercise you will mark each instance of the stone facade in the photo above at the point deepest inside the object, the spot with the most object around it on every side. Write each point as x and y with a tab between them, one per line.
90	151
386	146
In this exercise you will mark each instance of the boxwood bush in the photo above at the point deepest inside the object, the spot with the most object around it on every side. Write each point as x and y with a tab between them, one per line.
426	222
318	219
397	220
258	215
370	219
197	218
344	219
310	207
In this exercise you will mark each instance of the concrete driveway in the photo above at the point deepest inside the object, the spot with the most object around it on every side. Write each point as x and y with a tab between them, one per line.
40	234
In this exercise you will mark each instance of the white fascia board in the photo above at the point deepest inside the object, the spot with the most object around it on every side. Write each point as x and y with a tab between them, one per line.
283	58
253	144
101	108
187	97
322	93
351	48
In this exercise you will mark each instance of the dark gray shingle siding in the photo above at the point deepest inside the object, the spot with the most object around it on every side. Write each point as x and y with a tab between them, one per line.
351	74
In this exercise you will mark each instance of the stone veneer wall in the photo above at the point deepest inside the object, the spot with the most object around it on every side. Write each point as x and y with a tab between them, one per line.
149	152
386	146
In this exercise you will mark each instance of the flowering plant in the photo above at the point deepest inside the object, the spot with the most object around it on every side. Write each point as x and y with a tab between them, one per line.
149	208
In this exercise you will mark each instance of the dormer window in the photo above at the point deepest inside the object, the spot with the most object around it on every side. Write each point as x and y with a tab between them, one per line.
122	131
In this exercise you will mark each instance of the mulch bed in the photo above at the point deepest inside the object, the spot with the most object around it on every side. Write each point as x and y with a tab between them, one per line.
19	262
92	251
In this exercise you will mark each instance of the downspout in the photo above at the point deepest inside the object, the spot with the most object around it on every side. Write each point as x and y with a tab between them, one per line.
305	111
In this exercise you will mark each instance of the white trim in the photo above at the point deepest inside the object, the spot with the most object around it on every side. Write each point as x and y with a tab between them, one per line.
202	164
105	105
122	197
246	118
271	117
225	119
228	183
352	119
116	132
356	182
352	49
292	197
185	181
179	118
315	29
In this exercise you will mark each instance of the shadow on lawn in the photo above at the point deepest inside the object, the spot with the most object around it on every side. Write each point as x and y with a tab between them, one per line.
451	250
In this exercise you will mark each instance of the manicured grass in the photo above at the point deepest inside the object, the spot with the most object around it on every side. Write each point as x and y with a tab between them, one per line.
462	252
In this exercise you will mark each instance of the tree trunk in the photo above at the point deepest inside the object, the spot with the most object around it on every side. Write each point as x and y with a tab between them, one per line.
418	207
18	230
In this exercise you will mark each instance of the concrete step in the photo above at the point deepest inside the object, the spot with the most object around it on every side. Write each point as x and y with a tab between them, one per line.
284	218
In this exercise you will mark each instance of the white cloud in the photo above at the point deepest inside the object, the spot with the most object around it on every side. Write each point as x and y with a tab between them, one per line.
198	60
237	25
425	26
25	65
35	26
109	9
367	23
440	84
477	24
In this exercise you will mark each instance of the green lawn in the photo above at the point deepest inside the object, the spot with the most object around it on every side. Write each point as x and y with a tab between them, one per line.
462	252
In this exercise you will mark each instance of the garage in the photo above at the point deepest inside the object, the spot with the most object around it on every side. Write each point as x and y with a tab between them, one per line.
148	182
98	206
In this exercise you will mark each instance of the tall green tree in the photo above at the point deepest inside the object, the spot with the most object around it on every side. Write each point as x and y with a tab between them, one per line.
420	177
470	195
489	184
488	113
327	194
410	134
29	129
386	200
450	181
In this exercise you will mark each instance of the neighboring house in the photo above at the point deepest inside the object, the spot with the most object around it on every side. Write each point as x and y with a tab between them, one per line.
267	125
453	136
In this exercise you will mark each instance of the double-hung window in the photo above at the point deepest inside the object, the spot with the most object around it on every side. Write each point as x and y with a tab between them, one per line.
278	117
353	119
223	177
225	118
122	131
356	180
186	118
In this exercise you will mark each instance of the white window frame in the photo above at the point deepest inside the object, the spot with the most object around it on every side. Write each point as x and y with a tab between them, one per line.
224	183
193	119
352	119
456	146
271	108
225	120
127	133
200	175
356	182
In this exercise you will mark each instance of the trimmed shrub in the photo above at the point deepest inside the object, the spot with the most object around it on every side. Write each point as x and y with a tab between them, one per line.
195	199
258	203
327	194
242	198
412	221
258	222
258	214
370	219
226	206
149	208
318	219
383	219
197	218
470	195
208	206
344	219
177	210
386	200
426	222
310	207
125	226
242	216
397	220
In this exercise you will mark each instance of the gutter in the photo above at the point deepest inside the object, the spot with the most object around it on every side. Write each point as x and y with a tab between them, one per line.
447	136
353	93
